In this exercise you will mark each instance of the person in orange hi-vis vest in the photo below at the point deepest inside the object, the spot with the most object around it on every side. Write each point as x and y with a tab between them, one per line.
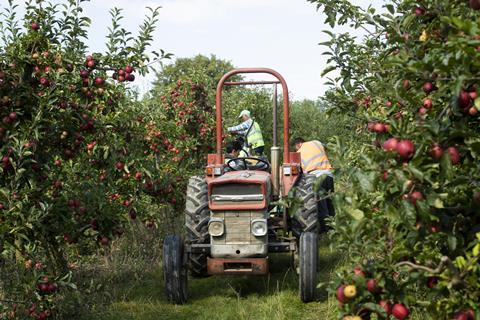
315	161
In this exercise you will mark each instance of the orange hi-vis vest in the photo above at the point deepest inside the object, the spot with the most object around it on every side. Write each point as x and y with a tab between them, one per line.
314	157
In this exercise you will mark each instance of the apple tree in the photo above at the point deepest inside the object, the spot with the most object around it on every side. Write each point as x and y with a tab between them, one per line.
70	140
408	209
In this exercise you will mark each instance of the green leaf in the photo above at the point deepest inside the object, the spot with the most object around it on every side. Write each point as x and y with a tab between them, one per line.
460	262
452	242
477	103
365	180
390	9
328	70
356	214
476	250
375	308
417	173
446	167
438	204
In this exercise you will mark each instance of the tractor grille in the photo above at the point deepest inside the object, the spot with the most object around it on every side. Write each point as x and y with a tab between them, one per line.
237	227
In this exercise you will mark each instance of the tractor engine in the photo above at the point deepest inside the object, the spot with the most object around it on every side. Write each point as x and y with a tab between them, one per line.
238	225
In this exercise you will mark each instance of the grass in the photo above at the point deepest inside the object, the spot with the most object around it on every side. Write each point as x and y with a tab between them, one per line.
127	283
274	296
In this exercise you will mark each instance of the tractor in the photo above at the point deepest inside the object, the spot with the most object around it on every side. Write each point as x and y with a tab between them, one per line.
233	218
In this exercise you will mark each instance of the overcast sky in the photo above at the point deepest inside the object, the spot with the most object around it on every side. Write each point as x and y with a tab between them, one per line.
279	34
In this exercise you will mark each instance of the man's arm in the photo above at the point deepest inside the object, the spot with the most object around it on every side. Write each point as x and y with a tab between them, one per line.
241	128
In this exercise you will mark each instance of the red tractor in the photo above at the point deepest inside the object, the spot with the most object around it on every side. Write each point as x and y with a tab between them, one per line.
232	217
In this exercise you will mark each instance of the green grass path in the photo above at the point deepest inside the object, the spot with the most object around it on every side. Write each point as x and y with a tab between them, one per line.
228	297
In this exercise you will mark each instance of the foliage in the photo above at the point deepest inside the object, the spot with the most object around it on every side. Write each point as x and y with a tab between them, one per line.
205	72
78	154
410	220
200	69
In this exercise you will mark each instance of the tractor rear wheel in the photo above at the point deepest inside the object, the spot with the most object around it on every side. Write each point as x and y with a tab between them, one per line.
305	219
174	269
308	260
197	215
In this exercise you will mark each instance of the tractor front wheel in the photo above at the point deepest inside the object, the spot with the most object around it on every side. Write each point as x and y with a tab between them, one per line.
174	269
308	259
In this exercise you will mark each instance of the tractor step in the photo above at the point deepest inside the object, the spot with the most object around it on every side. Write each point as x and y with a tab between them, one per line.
257	266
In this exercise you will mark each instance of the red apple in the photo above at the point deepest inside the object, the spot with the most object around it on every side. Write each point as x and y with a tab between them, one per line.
5	161
90	64
471	313
390	144
43	287
385	175
405	149
406	84
475	4
432	282
464	99
419	11
129	69
119	165
386	305
372	286
416	196
454	155
35	26
473	111
399	311
422	111
104	241
427	103
428	87
138	176
13	116
473	95
379	127
88	58
99	81
94	224
436	152
340	295
464	315
84	74
358	272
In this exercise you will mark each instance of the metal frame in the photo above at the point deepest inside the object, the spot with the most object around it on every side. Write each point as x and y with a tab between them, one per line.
286	107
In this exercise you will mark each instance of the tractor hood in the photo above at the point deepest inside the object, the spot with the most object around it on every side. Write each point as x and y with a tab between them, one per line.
240	190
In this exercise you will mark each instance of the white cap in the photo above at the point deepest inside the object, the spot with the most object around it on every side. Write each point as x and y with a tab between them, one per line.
244	113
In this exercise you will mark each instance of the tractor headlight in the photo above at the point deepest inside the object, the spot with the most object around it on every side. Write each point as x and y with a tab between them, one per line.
259	227
216	227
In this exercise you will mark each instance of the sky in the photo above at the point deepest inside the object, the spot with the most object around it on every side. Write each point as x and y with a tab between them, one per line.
278	34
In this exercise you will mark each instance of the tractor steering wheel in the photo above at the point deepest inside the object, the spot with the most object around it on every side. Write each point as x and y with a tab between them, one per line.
246	166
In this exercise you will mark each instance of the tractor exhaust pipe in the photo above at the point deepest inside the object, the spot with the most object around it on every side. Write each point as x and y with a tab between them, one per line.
275	150
275	161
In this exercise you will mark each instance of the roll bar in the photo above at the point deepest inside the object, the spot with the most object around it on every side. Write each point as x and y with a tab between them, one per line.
218	102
